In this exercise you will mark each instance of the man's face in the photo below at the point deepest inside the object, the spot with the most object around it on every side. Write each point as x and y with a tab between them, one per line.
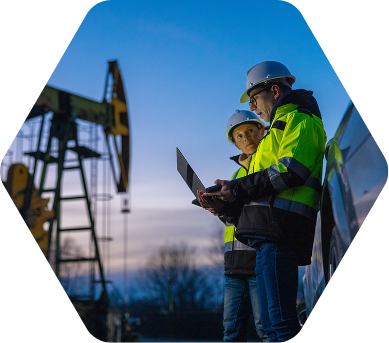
263	100
246	137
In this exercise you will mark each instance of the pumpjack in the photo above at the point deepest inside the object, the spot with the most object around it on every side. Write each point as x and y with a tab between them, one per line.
62	148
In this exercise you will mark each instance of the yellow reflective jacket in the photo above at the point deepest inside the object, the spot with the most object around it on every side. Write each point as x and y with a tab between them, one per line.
281	193
239	259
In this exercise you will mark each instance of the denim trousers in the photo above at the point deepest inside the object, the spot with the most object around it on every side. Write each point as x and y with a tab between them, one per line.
240	301
277	282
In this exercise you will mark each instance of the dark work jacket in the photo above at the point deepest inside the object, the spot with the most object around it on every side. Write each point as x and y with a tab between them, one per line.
239	259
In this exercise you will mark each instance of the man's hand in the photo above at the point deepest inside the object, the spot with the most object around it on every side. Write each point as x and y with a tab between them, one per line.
224	194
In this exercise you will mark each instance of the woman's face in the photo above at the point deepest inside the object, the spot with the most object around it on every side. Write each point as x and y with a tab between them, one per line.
246	137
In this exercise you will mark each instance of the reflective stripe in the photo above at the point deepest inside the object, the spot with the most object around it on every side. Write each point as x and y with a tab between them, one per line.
237	246
296	207
287	205
231	242
235	175
241	172
280	186
263	202
299	168
276	179
313	183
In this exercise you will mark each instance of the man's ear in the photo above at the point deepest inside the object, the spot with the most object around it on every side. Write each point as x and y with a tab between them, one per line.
276	91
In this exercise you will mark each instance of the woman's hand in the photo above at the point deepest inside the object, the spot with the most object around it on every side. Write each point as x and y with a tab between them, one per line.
209	202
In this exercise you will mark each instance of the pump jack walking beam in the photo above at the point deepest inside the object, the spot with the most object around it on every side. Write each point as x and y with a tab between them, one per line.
111	113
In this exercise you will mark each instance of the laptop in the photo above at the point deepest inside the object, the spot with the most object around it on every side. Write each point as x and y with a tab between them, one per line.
191	179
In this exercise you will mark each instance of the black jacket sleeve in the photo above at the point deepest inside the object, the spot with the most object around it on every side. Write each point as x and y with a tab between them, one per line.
231	211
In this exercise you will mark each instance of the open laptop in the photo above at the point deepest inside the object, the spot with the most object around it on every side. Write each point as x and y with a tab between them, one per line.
191	178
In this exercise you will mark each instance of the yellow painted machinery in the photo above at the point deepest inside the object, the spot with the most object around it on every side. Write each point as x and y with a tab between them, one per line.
18	184
62	149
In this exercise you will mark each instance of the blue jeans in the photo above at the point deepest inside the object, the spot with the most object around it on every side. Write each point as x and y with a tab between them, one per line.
240	300
277	283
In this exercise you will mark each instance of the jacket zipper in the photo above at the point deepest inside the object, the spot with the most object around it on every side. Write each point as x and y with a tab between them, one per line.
271	203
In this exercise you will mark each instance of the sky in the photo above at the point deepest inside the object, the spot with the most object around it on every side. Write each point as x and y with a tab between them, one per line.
184	69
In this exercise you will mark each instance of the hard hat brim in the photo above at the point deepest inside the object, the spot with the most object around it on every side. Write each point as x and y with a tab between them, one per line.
244	98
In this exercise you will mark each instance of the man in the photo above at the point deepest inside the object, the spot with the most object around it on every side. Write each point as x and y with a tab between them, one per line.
245	130
275	206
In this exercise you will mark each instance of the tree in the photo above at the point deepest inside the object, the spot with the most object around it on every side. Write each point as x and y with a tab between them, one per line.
73	277
216	250
174	282
216	268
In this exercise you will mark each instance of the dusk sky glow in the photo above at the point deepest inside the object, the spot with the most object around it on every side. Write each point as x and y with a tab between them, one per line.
184	69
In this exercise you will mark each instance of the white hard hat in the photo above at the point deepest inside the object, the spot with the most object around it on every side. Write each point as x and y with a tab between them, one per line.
264	72
240	118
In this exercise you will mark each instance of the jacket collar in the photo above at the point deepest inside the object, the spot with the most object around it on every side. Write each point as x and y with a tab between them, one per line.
298	98
242	160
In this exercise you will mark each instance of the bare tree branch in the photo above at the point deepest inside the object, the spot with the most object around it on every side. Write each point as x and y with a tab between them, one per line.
175	282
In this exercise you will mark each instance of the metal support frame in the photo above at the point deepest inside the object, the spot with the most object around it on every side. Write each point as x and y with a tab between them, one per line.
64	129
112	114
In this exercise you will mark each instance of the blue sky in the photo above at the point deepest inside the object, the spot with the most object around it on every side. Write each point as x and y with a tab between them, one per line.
184	70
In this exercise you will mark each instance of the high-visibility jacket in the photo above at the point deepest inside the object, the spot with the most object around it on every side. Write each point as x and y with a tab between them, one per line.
239	259
281	193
